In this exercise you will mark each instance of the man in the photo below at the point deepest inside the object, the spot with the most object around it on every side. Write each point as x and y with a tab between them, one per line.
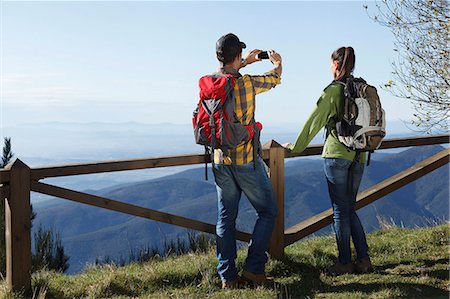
239	170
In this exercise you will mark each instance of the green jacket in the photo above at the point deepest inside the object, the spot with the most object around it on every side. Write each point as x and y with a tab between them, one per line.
327	111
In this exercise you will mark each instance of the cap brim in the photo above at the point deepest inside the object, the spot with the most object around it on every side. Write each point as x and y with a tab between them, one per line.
243	46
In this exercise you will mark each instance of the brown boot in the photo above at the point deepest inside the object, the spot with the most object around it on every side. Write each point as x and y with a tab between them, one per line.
339	269
363	266
234	284
257	279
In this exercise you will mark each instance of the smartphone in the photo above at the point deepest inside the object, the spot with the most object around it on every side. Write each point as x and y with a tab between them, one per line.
263	55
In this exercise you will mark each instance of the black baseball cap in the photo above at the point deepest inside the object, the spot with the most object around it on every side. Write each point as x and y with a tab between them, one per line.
228	46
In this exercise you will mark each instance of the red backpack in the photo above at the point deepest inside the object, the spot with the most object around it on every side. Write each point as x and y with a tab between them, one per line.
214	120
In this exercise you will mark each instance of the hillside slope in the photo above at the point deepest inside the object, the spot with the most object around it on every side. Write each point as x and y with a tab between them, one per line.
409	263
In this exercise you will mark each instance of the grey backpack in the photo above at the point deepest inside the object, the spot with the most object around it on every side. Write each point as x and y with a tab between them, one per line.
363	125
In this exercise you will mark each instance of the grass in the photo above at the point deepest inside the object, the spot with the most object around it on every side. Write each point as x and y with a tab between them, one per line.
409	263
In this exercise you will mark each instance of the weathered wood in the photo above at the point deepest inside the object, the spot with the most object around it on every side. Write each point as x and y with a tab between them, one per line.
4	176
129	209
307	227
414	141
313	224
123	165
276	173
312	150
111	166
18	229
4	192
316	149
403	178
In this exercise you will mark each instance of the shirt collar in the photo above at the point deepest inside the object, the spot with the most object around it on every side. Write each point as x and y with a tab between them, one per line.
229	70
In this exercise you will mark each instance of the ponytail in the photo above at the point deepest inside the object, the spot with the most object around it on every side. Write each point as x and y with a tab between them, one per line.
346	58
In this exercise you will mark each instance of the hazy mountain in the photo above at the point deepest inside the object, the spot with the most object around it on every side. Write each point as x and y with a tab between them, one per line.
56	143
88	232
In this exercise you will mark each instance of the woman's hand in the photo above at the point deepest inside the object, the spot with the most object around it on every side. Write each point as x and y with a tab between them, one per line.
288	146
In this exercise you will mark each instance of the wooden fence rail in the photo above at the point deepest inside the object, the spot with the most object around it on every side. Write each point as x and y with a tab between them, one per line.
313	224
17	180
129	209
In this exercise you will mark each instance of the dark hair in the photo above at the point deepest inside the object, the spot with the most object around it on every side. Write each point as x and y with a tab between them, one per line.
228	47
346	58
230	55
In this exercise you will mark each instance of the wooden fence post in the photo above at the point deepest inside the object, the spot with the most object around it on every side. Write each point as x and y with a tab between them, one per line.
276	173
18	229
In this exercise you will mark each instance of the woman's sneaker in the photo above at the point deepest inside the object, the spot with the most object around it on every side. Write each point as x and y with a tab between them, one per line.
363	266
234	284
340	269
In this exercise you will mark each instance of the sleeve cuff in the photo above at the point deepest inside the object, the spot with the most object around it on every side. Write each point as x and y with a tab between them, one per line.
274	74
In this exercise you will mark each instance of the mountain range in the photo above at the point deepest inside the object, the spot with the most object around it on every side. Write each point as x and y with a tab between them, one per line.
88	232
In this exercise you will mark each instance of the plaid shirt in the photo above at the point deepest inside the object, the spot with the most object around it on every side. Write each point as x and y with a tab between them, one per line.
245	90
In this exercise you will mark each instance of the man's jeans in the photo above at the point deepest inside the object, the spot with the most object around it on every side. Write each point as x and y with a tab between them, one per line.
231	181
343	184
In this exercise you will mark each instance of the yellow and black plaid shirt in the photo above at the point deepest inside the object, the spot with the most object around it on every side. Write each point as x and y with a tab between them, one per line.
245	90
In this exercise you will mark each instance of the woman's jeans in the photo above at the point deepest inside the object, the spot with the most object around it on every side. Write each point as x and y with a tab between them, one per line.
231	181
343	180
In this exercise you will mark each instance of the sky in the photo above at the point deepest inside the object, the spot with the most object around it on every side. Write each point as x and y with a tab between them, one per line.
118	61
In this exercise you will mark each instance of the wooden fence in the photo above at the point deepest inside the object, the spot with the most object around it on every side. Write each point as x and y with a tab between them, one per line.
17	180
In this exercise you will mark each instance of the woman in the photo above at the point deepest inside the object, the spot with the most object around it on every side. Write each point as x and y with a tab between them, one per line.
343	167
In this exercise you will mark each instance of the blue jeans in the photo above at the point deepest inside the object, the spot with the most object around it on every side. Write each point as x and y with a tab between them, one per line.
343	183
231	181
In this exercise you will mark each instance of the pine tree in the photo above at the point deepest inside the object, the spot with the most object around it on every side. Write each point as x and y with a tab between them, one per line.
48	251
7	153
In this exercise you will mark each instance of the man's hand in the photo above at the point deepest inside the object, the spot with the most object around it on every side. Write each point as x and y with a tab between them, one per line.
250	57
274	57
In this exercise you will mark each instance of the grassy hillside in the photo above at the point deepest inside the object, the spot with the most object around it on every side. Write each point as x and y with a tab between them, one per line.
408	263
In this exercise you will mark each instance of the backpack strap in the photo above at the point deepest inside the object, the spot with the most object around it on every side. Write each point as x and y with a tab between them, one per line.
368	157
206	162
346	109
255	142
356	159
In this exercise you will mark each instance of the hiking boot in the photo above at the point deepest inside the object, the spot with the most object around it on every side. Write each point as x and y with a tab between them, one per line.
257	279
339	269
233	284
363	266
